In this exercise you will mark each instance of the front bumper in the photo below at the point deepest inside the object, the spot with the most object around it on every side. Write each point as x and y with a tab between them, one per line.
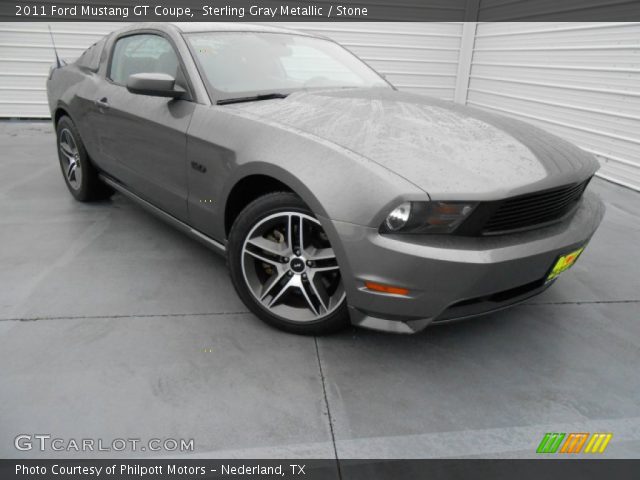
451	277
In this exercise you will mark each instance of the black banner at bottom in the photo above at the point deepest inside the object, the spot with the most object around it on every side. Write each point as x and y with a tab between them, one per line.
190	469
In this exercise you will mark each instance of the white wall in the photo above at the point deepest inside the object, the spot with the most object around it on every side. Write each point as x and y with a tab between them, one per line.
25	58
580	81
414	56
417	57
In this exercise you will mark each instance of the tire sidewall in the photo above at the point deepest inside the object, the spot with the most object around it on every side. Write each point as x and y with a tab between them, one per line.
252	214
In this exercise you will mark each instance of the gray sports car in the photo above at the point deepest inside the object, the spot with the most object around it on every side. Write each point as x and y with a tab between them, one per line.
336	198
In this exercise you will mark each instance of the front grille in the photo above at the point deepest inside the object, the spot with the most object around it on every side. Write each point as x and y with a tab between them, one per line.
534	209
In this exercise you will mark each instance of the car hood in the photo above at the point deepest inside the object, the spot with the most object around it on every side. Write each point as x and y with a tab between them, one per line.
448	150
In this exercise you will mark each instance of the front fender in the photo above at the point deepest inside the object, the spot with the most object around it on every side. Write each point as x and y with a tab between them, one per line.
278	173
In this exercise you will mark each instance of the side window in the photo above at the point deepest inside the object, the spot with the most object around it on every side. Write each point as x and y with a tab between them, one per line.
144	53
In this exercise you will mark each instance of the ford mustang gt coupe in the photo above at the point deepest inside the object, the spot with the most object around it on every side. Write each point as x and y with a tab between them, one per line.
336	198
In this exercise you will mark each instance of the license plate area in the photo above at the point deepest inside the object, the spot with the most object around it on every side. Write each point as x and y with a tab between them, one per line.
564	263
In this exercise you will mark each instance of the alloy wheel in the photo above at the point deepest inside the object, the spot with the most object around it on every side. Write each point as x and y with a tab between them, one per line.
291	269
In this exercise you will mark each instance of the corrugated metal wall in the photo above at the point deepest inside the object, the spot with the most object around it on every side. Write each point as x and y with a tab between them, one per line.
420	57
25	57
580	81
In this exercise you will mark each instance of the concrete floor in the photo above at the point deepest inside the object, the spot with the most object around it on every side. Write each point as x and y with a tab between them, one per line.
113	325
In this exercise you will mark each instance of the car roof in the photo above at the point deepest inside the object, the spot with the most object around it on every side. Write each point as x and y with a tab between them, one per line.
192	27
198	27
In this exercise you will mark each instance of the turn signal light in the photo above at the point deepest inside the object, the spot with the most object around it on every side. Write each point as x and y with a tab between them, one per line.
378	287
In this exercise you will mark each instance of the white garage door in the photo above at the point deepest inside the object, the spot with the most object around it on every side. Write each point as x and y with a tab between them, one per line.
580	81
420	57
417	57
25	58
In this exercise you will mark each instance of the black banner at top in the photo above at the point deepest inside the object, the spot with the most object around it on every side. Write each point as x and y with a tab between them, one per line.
321	10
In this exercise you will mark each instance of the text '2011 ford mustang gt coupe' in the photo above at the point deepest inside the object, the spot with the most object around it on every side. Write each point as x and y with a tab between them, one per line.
335	197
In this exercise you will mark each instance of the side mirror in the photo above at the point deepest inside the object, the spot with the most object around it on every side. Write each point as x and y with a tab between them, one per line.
155	85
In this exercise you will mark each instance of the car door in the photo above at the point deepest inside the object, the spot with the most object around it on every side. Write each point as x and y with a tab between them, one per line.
142	139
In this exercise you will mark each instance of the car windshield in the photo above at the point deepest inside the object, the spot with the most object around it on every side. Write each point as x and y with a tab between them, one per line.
237	64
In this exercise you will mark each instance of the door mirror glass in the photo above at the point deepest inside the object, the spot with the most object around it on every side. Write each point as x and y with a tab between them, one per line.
155	85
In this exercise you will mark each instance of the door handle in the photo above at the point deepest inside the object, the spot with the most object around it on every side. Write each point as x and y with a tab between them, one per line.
102	103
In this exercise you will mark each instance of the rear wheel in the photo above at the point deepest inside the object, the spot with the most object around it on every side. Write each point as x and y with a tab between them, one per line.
283	267
79	173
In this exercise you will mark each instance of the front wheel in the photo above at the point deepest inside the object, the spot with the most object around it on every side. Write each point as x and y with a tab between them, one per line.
283	267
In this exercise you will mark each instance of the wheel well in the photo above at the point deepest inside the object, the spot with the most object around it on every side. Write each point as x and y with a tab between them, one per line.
60	112
246	191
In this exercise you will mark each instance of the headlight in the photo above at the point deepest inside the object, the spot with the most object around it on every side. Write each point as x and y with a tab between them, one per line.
427	217
398	217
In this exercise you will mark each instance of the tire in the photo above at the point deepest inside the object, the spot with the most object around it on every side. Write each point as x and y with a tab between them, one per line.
298	290
79	173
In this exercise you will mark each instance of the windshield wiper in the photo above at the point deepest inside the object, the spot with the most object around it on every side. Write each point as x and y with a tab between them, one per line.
264	96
